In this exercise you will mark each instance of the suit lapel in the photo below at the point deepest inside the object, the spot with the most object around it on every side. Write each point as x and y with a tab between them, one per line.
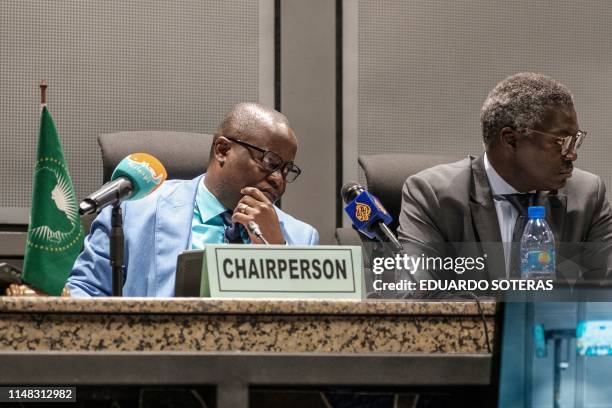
484	218
173	228
284	231
556	209
283	227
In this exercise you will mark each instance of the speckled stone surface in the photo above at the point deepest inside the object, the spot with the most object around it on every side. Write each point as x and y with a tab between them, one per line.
243	325
240	306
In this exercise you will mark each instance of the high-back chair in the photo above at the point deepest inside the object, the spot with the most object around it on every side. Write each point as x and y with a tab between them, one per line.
184	155
386	174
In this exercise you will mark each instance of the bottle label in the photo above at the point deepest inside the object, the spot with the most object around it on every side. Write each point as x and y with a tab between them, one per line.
539	261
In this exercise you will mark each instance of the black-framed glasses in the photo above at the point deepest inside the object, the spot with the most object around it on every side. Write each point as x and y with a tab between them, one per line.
272	162
568	143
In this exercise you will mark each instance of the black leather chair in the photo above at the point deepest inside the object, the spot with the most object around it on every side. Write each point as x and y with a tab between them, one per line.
385	175
184	155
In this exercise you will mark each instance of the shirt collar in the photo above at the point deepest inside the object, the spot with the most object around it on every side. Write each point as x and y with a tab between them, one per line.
209	206
498	184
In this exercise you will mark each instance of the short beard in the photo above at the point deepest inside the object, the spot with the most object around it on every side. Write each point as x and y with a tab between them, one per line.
224	194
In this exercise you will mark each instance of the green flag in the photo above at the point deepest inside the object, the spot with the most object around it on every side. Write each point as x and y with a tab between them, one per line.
55	235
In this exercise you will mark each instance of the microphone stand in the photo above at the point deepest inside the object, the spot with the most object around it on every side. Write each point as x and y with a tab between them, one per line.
116	249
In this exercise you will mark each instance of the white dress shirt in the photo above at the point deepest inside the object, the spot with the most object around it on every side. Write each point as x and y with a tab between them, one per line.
506	213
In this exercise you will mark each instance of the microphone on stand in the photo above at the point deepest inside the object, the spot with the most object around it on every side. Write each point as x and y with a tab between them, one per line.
368	216
136	176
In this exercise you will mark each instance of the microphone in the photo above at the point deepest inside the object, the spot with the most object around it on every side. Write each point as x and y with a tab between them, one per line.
254	229
136	176
368	215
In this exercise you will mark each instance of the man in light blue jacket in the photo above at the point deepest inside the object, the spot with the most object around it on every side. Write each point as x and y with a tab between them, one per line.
251	160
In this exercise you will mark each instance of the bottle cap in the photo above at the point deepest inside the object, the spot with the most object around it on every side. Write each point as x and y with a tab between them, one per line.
537	211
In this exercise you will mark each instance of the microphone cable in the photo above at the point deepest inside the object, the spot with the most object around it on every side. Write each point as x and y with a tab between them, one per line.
482	317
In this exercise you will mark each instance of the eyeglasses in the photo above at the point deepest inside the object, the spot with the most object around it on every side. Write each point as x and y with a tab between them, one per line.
568	143
272	162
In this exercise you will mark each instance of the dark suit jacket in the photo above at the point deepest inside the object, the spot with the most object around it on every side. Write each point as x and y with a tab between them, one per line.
453	203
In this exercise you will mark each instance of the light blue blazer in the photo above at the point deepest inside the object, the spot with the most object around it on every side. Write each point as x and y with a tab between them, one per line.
156	229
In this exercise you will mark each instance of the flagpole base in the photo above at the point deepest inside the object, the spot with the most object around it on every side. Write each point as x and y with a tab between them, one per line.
15	289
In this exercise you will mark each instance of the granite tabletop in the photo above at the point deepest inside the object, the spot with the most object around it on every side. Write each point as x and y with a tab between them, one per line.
242	306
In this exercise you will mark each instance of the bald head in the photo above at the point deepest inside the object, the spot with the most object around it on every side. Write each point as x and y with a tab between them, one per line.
249	118
246	132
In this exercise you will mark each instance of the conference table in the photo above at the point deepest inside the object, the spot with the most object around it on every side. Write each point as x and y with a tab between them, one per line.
235	344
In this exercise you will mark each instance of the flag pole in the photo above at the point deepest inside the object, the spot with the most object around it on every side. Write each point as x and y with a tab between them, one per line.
15	289
38	251
43	92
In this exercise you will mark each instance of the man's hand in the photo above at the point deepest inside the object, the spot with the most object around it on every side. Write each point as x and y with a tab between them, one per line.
255	206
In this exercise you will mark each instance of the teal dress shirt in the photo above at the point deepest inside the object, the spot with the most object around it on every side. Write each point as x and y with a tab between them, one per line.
207	225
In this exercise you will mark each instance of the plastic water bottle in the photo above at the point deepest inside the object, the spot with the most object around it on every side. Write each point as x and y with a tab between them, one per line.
538	258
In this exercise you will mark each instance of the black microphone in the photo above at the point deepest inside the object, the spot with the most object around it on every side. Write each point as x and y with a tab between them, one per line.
368	215
109	193
134	177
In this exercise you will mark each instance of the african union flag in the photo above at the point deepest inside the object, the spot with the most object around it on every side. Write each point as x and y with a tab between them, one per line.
55	235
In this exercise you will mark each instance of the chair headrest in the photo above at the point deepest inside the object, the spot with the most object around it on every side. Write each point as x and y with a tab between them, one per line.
387	172
184	155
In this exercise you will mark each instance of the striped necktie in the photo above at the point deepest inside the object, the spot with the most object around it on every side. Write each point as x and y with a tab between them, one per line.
521	202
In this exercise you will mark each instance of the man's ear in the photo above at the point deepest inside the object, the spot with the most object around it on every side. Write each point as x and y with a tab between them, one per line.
508	138
220	148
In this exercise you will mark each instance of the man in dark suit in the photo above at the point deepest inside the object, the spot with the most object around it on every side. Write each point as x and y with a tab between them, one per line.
531	137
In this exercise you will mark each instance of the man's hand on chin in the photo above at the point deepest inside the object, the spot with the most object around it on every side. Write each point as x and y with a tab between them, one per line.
255	206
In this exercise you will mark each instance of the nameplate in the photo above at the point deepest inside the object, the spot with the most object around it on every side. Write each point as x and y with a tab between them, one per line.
281	271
